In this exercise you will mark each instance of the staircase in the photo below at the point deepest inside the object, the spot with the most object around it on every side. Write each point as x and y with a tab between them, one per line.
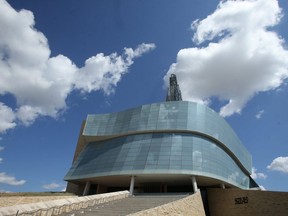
128	205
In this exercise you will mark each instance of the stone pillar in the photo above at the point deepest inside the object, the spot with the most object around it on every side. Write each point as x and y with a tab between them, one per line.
132	181
222	185
194	183
87	188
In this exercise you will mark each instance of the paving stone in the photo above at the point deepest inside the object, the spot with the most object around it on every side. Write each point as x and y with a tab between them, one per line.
127	206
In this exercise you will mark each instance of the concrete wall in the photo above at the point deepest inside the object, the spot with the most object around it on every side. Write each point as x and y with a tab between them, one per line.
191	205
231	202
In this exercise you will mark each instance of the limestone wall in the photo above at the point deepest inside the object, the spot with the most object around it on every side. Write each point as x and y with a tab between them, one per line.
231	202
18	200
57	207
191	205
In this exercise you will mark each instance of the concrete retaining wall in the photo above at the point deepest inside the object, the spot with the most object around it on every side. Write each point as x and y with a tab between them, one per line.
191	205
56	207
229	202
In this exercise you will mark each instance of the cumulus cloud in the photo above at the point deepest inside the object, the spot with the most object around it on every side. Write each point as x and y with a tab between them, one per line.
240	57
104	72
1	159
257	175
10	180
7	117
41	83
279	164
51	186
259	114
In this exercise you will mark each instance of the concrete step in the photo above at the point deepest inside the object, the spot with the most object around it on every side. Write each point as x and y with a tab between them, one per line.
128	205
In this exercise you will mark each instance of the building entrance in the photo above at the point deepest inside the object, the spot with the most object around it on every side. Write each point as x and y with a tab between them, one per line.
165	188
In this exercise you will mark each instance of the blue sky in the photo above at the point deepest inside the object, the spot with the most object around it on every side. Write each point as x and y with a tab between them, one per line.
62	60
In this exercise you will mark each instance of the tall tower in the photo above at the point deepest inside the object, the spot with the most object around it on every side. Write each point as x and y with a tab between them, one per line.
173	93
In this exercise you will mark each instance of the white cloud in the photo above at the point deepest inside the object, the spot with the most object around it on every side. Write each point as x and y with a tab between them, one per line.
104	72
4	191
259	114
10	180
64	189
41	83
7	117
279	164
243	56
257	175
1	159
51	186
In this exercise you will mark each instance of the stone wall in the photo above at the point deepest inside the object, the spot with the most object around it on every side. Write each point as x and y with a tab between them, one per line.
57	207
231	202
18	200
191	205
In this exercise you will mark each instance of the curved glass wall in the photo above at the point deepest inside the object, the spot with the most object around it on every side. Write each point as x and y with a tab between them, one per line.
172	116
157	153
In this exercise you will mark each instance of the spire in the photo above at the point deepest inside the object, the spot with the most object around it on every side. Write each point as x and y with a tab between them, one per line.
173	93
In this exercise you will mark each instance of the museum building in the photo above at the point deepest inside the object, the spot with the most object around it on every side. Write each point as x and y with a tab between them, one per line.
171	146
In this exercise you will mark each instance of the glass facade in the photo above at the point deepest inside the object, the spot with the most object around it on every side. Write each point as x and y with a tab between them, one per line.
163	138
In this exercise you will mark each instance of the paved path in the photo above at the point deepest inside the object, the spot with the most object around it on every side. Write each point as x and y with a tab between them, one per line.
126	206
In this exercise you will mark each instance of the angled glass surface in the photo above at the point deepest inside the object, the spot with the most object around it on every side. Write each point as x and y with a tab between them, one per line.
172	116
157	153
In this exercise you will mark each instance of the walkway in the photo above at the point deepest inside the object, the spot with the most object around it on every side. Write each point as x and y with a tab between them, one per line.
127	206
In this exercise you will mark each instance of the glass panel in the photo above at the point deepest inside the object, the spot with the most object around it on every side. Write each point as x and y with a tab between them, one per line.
162	150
